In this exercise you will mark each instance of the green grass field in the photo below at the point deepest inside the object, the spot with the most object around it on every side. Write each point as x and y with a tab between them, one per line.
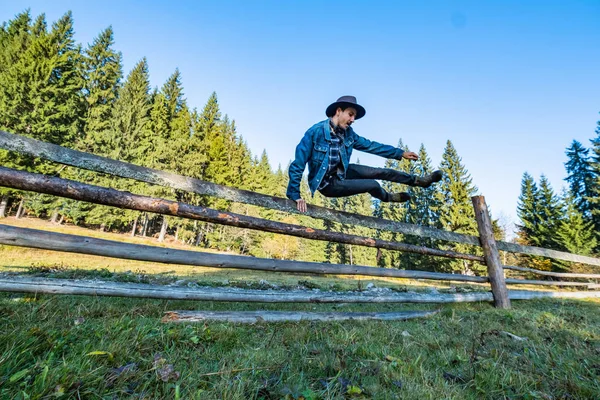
114	348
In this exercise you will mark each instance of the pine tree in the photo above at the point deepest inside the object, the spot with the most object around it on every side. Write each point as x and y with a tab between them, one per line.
131	116
40	92
127	140
15	38
580	176
209	130
423	209
456	212
103	74
241	162
40	87
594	200
574	233
361	204
540	212
550	212
528	212
392	211
263	180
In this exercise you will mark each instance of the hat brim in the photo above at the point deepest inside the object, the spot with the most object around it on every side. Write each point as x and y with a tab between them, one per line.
360	110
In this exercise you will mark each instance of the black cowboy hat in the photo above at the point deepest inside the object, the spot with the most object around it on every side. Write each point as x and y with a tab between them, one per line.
346	101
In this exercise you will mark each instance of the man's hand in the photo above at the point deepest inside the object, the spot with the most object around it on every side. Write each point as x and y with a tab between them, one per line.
409	155
301	205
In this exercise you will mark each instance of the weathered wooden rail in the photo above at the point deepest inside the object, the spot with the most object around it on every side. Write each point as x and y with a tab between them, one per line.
85	192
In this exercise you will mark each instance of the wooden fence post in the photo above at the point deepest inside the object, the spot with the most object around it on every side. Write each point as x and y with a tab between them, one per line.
490	251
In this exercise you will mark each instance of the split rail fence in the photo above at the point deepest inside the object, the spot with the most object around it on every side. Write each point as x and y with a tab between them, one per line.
52	185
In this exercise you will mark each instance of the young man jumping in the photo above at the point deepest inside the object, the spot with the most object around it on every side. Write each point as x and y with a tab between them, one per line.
327	147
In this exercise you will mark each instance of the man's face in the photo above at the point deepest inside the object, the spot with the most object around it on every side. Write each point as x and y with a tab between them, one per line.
346	117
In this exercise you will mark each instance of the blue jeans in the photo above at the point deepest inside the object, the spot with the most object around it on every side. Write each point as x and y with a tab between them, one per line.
361	179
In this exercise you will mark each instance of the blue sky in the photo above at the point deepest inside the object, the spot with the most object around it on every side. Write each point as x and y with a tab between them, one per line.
510	83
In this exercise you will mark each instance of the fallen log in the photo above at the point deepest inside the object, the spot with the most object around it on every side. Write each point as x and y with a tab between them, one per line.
252	317
35	285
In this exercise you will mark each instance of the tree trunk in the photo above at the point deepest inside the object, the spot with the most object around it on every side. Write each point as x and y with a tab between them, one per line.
198	234
3	205
54	216
145	229
134	227
62	218
379	255
351	259
20	209
177	233
163	230
102	227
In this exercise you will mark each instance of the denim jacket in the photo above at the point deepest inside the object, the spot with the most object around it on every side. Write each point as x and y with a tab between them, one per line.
314	150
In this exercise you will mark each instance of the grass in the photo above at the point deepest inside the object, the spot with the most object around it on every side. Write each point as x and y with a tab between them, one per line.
108	348
85	347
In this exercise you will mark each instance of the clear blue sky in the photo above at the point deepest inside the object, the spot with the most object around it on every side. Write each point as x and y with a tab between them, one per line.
510	83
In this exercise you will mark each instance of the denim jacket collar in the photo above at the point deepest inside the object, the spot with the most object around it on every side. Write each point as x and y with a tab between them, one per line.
327	130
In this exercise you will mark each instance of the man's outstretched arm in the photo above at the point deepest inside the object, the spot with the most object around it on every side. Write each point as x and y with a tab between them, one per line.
382	150
296	169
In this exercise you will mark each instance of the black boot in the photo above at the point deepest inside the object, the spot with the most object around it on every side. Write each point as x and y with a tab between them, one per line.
427	180
398	197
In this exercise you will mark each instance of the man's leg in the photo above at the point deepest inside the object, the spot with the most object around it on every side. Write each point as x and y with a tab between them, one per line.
357	171
350	187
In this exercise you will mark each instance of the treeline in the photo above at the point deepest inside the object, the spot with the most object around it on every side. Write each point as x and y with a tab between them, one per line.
56	90
570	220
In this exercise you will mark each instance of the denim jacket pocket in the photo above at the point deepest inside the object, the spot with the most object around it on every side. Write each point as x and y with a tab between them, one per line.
319	152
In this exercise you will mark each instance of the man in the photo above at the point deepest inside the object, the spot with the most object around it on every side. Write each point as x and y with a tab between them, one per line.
327	147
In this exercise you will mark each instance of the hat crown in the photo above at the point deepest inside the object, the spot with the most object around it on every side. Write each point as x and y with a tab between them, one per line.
347	99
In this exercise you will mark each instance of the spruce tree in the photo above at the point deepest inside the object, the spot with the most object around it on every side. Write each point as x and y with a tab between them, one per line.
15	38
103	74
550	212
131	116
361	204
528	212
540	213
392	211
40	92
208	130
580	176
456	212
127	140
40	87
594	200
423	209
574	233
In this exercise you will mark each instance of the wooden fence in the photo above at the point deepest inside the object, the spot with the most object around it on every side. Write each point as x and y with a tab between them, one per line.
28	181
